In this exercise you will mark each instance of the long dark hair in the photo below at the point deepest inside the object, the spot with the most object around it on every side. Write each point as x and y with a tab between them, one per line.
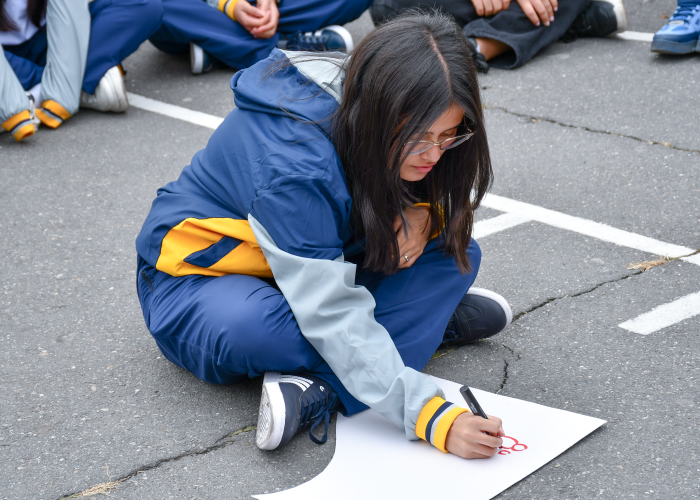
400	79
35	9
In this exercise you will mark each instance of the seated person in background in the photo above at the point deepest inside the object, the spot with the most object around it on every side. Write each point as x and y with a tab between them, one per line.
681	33
508	33
239	34
63	54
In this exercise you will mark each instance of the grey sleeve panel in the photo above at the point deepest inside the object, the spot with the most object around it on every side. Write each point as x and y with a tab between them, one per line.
337	318
68	33
13	100
213	3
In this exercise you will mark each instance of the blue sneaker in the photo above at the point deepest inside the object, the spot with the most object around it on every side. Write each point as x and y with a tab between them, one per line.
680	35
329	39
290	404
479	315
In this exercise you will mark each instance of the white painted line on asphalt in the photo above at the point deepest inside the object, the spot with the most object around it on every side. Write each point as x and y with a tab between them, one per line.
588	227
517	212
664	315
188	115
635	36
496	224
693	259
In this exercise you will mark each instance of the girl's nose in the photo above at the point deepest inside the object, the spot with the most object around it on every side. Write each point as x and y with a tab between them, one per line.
433	154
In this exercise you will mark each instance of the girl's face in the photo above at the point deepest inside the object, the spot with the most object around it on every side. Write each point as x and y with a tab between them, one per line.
417	166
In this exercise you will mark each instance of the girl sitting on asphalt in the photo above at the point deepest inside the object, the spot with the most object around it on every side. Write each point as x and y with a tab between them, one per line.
323	237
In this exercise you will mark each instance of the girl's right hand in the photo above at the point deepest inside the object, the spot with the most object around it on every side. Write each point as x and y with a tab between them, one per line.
466	437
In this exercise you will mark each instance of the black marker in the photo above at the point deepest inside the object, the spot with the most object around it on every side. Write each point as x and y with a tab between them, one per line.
473	403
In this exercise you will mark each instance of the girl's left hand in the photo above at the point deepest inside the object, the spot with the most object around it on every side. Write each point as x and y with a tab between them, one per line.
267	30
418	220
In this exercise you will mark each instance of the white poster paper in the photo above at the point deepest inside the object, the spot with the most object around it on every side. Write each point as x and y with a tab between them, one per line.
373	458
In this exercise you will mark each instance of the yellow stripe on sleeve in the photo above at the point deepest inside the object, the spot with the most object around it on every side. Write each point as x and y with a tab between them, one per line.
25	131
229	9
56	109
193	235
426	414
46	119
15	120
443	426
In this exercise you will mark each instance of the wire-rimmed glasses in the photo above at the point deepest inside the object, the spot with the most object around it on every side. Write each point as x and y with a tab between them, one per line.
418	147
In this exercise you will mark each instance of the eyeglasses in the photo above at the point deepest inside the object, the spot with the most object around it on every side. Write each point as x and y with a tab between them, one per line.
418	147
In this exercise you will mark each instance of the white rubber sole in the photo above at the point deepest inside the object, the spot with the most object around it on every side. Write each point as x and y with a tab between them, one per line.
499	299
345	34
272	414
196	59
117	80
620	15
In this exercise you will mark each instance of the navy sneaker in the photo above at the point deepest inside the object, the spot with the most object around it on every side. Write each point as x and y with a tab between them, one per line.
681	33
290	404
600	18
200	61
480	314
329	39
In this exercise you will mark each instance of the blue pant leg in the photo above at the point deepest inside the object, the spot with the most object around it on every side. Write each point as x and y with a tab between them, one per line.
28	73
415	304
311	15
226	329
118	28
186	21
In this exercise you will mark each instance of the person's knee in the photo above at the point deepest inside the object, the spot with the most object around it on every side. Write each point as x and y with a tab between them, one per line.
150	12
145	13
245	329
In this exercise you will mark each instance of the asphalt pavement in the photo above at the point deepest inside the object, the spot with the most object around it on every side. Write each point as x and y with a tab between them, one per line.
599	129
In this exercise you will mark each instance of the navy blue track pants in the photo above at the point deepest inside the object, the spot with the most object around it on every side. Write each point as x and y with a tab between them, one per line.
118	28
186	21
235	326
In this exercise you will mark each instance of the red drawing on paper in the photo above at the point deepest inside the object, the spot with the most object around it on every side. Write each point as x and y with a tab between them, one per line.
509	447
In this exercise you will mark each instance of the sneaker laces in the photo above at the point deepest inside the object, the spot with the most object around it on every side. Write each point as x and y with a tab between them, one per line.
580	25
316	407
684	13
318	42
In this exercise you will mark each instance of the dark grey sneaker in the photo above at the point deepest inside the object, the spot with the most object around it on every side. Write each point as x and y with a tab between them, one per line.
329	39
290	404
601	18
479	315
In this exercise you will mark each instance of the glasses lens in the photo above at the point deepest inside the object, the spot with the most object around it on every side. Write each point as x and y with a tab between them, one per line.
417	147
455	141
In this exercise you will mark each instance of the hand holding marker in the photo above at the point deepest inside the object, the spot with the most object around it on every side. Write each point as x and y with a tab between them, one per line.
473	403
473	434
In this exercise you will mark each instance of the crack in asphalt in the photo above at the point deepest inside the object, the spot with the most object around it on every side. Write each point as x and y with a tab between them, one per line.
219	443
568	296
505	375
588	129
506	365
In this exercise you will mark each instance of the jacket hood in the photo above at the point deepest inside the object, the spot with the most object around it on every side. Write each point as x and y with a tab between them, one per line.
305	85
